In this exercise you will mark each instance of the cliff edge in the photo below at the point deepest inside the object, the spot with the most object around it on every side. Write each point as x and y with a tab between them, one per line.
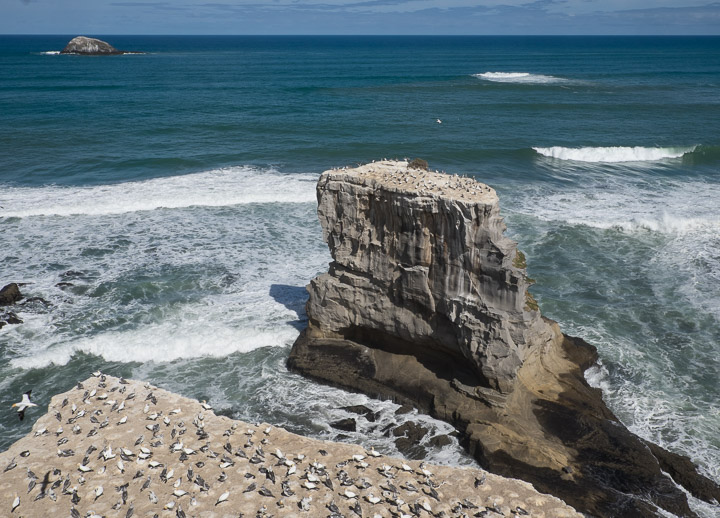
426	302
115	447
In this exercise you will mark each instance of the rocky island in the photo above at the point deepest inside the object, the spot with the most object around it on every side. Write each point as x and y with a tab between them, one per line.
85	46
426	302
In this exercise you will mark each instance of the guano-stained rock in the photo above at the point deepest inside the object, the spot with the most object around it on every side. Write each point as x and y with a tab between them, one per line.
89	47
119	448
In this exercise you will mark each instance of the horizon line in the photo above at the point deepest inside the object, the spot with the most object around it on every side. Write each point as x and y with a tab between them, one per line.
379	34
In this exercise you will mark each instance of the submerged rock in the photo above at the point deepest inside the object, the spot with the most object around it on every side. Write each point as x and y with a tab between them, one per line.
347	425
363	411
426	303
8	317
89	47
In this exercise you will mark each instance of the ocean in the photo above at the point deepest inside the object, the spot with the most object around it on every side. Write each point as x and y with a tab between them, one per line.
162	206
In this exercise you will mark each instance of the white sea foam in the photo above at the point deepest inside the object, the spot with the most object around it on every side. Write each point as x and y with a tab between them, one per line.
315	405
667	209
673	422
639	248
162	285
51	52
674	220
162	342
220	187
614	154
519	77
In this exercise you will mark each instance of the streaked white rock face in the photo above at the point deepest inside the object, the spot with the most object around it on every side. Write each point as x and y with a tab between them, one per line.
85	45
421	256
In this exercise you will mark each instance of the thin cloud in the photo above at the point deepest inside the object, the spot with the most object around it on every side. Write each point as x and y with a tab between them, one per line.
366	17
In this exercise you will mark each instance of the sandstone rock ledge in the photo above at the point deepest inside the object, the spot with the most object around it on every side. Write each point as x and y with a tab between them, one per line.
111	447
426	303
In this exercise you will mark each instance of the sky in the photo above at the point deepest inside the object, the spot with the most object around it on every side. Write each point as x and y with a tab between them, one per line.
460	17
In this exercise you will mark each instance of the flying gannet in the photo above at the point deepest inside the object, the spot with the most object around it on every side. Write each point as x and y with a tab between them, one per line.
23	405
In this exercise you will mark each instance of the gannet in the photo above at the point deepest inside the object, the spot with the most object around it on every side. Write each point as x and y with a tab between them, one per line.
23	405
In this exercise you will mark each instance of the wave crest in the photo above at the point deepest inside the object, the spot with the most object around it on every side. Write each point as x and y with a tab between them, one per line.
216	188
614	154
519	77
163	342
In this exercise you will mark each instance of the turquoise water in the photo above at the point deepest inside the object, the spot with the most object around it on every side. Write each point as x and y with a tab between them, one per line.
164	205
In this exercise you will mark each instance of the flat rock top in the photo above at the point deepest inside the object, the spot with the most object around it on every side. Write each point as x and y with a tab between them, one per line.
398	176
112	447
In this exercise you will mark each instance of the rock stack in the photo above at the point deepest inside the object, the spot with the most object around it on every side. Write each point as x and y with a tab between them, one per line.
89	47
422	257
426	303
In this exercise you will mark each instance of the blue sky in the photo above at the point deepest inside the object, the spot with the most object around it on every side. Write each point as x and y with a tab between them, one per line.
98	17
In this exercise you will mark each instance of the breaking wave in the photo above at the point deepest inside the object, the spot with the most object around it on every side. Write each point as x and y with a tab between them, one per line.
519	77
161	342
614	153
215	188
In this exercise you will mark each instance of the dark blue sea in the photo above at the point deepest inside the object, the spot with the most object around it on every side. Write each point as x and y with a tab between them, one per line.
163	206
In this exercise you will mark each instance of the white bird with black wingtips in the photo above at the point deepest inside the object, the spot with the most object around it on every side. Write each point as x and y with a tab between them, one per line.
23	405
223	497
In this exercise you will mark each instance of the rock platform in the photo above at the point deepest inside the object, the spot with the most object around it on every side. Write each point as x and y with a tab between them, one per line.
112	447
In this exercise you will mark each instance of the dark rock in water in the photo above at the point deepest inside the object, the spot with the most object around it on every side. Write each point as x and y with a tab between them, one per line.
363	411
426	304
440	440
89	47
347	425
411	430
408	436
36	300
685	473
404	409
9	317
407	439
10	294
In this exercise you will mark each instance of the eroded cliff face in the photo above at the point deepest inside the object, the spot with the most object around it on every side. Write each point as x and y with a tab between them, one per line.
422	257
426	303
